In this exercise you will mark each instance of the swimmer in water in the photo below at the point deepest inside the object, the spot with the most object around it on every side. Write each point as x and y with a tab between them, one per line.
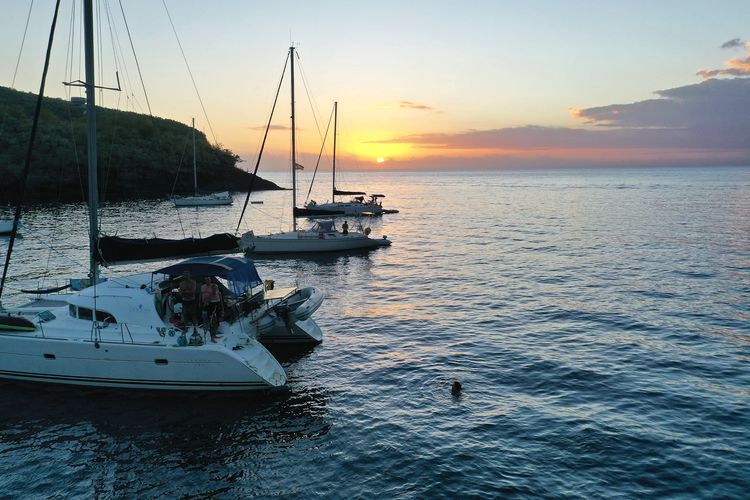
456	388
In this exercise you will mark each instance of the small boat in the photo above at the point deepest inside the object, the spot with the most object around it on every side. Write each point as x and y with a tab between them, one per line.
6	226
323	236
201	200
205	200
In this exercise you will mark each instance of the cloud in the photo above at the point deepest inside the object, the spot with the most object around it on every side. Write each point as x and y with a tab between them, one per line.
706	123
734	42
736	67
695	124
273	127
712	114
414	105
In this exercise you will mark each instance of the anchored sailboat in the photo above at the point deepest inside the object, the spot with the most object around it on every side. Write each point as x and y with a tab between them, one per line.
357	206
323	236
141	331
201	200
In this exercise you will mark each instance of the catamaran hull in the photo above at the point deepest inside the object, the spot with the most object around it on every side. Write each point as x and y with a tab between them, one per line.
295	333
138	366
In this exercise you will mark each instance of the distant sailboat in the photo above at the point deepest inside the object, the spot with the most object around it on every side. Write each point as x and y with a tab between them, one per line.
323	236
199	200
356	207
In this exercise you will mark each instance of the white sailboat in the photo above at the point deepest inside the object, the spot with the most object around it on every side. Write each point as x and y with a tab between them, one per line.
201	200
322	236
127	332
357	206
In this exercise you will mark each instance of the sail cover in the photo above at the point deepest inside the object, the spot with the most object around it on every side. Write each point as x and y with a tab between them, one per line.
312	212
239	272
113	249
339	192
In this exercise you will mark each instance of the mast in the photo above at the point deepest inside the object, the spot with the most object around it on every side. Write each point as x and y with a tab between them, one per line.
195	168
294	145
88	18
335	121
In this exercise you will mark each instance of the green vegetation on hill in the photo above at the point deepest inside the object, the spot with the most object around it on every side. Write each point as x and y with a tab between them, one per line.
139	156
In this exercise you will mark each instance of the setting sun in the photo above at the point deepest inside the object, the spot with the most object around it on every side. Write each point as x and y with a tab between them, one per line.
380	159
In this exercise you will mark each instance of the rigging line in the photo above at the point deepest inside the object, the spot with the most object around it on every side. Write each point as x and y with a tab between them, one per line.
262	146
18	61
27	162
317	163
69	53
179	166
99	51
313	105
190	73
23	41
116	120
137	65
119	54
69	63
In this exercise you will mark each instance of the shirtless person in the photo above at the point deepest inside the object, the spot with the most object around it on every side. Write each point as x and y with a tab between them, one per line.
211	303
188	291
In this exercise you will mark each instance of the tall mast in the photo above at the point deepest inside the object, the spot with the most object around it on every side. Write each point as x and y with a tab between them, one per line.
195	168
335	121
294	145
88	18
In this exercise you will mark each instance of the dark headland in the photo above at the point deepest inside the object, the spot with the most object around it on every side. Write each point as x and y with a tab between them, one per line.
139	156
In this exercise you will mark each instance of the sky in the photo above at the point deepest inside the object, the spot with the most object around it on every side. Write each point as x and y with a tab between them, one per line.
420	84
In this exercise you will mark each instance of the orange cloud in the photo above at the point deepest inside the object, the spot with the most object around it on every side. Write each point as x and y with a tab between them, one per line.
414	105
272	127
737	66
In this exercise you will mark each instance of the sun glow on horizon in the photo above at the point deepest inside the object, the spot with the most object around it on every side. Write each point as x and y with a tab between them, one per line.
380	159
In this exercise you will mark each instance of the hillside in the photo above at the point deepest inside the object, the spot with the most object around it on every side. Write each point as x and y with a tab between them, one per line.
139	156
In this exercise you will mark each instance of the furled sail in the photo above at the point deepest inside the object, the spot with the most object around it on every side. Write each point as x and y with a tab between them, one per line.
338	192
113	249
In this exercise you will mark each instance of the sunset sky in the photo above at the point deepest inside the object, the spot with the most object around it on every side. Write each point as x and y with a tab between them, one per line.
426	84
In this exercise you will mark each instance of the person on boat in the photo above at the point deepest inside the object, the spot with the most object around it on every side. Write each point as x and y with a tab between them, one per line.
211	302
345	228
188	293
205	293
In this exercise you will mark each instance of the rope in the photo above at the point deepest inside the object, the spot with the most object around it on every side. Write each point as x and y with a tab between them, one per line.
317	163
13	82
23	41
27	162
190	73
262	146
137	65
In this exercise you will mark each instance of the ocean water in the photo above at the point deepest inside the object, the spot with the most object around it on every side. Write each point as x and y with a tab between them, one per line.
598	320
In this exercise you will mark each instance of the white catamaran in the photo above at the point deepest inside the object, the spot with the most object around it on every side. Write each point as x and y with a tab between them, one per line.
128	332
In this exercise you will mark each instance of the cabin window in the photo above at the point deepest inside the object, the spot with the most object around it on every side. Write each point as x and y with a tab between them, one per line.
72	311
105	316
88	314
